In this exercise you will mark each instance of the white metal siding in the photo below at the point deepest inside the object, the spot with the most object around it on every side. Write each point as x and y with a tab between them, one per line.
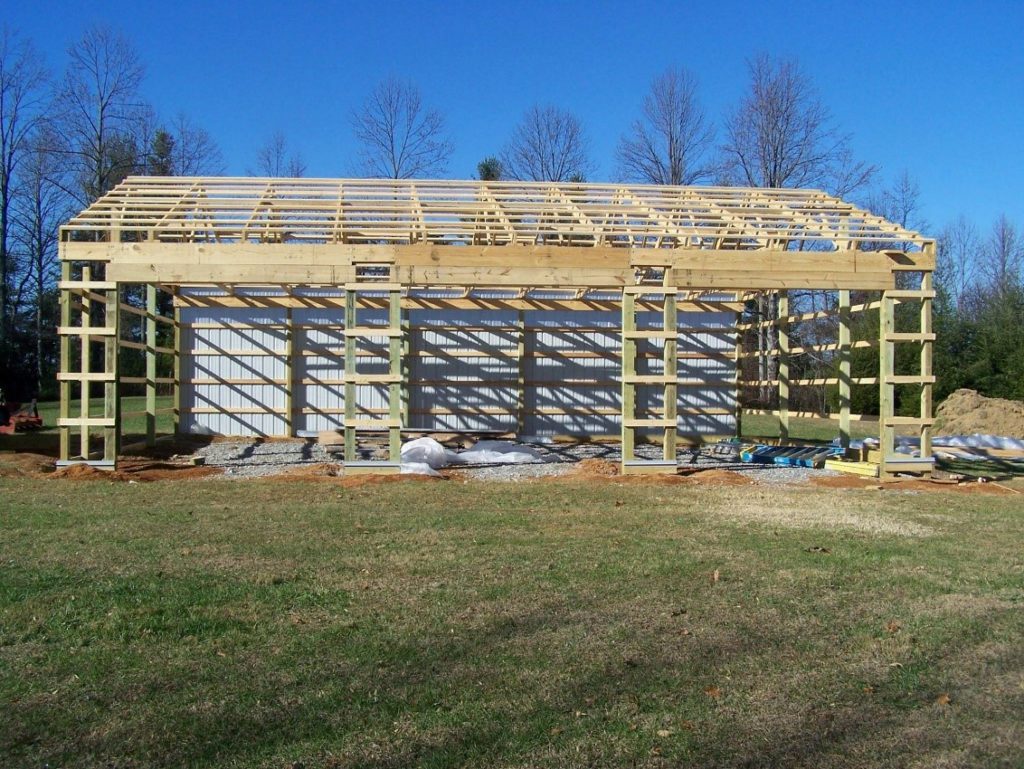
561	365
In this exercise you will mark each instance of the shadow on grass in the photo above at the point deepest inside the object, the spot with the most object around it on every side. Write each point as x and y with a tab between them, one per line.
630	694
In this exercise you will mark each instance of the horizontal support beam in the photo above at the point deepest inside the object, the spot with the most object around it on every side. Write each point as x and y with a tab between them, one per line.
531	265
461	303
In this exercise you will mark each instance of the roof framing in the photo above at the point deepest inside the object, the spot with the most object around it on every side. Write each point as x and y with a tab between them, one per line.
471	233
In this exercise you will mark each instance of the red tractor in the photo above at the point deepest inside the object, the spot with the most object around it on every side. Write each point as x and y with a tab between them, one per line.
15	417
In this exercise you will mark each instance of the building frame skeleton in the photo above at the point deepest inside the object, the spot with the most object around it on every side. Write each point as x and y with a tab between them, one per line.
351	245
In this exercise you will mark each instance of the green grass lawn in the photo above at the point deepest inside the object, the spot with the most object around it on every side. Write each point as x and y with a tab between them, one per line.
271	624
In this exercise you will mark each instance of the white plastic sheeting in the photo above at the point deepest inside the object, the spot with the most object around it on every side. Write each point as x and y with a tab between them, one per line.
428	453
978	441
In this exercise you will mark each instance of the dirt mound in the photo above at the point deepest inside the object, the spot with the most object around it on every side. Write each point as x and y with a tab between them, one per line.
305	472
25	465
966	412
600	467
336	474
134	469
88	473
858	482
717	477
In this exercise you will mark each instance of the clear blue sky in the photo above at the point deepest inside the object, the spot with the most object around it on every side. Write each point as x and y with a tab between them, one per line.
936	88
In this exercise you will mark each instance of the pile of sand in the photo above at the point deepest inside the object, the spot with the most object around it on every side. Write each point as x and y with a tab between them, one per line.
965	412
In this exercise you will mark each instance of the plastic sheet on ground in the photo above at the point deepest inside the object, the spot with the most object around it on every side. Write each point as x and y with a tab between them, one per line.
425	451
906	444
418	468
431	454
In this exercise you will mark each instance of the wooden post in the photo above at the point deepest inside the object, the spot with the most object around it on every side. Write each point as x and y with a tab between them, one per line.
738	418
844	368
84	410
926	366
886	389
289	374
783	327
65	364
177	371
111	387
521	373
408	352
350	374
670	371
396	379
628	361
150	333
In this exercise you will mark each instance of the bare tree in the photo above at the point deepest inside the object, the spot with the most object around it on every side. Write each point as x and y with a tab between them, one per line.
549	145
195	151
275	159
103	119
899	203
956	269
183	149
669	143
1002	257
400	138
22	82
782	135
43	204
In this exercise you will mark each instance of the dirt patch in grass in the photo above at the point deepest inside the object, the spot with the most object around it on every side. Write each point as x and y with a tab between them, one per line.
605	471
857	482
25	465
139	470
590	467
718	477
335	474
798	510
307	472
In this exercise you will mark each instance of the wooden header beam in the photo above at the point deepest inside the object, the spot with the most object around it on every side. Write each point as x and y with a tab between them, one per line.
528	266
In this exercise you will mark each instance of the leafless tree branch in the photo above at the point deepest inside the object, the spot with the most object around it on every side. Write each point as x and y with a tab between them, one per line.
549	145
400	138
670	141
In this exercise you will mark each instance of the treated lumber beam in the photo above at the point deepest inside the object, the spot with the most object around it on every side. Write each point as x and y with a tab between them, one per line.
527	265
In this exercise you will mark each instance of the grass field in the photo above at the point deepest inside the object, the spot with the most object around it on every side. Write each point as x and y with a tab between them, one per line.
272	624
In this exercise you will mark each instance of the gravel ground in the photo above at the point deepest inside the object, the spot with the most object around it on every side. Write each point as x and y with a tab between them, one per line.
250	459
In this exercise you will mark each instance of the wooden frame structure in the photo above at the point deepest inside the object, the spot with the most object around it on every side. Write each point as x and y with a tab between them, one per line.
394	245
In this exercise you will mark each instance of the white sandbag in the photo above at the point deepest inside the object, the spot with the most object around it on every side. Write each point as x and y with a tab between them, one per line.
424	451
418	468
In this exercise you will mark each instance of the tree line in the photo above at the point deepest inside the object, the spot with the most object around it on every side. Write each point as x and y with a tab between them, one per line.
68	137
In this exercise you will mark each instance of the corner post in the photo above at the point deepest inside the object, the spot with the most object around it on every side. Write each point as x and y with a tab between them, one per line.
926	365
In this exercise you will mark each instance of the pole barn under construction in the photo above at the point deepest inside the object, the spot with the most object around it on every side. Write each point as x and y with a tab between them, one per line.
286	307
